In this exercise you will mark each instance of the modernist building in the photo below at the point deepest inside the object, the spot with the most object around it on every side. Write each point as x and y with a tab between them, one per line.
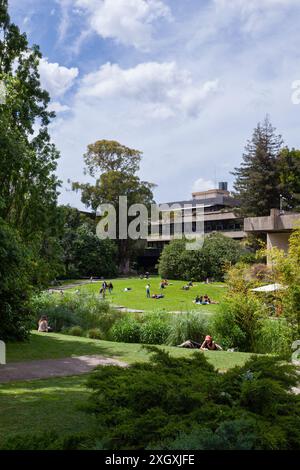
218	216
277	227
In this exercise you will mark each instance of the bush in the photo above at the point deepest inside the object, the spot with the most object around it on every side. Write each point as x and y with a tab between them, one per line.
84	310
148	404
95	333
127	330
75	331
217	252
236	324
193	326
155	330
275	336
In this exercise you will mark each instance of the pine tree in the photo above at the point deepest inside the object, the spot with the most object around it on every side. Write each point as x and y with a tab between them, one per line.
257	184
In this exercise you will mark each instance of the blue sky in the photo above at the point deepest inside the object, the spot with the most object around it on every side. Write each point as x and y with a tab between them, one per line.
184	81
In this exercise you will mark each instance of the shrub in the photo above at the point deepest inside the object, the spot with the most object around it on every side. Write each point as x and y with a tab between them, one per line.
152	403
154	331
236	324
274	336
75	331
217	252
193	326
84	310
95	333
238	434
127	330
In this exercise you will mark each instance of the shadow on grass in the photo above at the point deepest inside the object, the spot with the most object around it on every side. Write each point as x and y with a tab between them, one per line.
44	405
54	346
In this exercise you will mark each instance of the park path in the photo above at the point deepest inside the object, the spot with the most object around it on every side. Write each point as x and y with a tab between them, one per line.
47	368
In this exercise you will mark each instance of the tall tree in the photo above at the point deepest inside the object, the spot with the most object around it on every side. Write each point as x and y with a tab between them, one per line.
115	167
28	159
257	178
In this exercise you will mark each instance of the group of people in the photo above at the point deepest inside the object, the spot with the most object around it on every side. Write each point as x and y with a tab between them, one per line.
207	345
164	283
204	300
104	287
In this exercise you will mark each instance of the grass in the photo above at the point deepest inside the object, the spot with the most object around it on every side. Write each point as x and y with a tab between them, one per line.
175	298
44	405
54	346
54	404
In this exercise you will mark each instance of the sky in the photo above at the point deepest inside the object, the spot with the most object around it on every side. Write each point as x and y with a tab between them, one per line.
183	81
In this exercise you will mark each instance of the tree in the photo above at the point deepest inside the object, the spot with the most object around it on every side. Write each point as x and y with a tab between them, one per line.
210	261
118	165
257	179
15	288
83	253
289	178
28	159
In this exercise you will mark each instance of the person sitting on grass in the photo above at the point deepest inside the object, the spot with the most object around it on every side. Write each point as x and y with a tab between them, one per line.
207	345
43	325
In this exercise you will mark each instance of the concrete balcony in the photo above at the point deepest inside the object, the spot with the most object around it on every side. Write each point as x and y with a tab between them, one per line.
275	222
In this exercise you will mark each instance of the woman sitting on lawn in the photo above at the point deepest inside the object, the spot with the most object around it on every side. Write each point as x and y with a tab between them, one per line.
43	325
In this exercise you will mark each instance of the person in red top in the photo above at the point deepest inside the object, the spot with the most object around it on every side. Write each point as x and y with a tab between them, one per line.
209	345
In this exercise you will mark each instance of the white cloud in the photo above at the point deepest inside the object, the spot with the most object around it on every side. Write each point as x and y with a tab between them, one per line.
164	88
57	107
255	15
55	78
130	22
202	184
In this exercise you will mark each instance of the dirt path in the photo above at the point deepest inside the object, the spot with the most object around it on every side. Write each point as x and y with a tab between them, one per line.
47	368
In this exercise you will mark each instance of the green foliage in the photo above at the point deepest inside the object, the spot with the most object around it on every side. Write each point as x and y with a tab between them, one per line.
43	441
236	324
257	179
86	311
28	184
210	261
238	434
84	254
15	289
170	400
76	331
268	173
154	330
127	330
193	326
274	336
118	166
95	333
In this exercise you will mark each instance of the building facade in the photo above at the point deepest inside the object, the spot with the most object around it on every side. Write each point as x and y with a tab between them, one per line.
218	215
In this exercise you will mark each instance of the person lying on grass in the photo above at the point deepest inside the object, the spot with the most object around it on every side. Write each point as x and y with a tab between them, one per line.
207	345
157	296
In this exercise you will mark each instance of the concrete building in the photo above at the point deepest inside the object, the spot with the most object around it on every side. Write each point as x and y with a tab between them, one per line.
277	226
218	206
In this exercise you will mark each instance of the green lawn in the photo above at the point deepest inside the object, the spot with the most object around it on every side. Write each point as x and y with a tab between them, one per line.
54	404
44	405
175	298
54	345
